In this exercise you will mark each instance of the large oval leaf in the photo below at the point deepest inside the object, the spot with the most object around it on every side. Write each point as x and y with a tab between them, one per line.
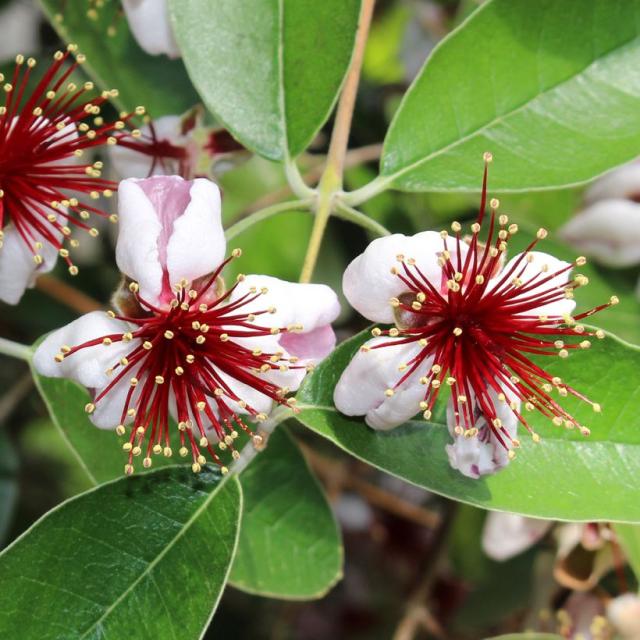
550	87
146	556
290	546
269	69
565	477
115	61
282	501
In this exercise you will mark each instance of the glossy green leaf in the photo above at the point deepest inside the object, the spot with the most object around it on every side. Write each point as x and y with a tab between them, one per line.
146	556
270	70
115	61
629	537
8	483
565	477
282	501
549	87
289	545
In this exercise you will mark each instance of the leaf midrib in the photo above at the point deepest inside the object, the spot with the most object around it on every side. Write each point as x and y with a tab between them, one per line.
389	178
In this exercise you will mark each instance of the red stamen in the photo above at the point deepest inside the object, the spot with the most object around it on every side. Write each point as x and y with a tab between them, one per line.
183	358
42	136
478	327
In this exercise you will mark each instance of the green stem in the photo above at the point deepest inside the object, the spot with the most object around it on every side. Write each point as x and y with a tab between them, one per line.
15	350
374	188
296	181
263	214
331	181
350	214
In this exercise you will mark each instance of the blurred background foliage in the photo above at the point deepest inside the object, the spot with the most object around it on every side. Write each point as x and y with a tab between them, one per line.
400	541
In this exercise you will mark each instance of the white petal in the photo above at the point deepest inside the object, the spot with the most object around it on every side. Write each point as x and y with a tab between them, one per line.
368	282
87	366
197	244
310	346
19	24
108	412
506	535
608	230
18	271
139	229
624	614
482	454
314	306
129	163
17	268
254	398
622	182
149	23
535	269
311	305
361	388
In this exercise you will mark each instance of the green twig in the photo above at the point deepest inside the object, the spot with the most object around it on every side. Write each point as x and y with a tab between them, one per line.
331	181
263	214
350	214
15	350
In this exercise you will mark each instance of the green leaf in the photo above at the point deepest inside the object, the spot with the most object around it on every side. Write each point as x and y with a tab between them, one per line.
115	61
621	319
282	502
146	556
270	70
8	483
97	451
629	537
549	87
565	477
289	544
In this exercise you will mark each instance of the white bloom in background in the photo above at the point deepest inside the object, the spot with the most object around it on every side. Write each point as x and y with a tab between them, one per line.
608	227
150	25
506	535
164	147
465	321
624	614
19	22
180	345
175	145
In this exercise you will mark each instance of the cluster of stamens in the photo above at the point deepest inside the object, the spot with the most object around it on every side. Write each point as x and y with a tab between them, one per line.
478	328
44	133
181	359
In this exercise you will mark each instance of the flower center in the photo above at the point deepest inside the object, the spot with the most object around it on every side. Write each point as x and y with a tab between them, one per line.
43	134
477	327
193	362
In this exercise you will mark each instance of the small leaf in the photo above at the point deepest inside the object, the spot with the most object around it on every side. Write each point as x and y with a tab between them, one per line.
549	87
565	477
115	61
146	556
270	70
289	544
